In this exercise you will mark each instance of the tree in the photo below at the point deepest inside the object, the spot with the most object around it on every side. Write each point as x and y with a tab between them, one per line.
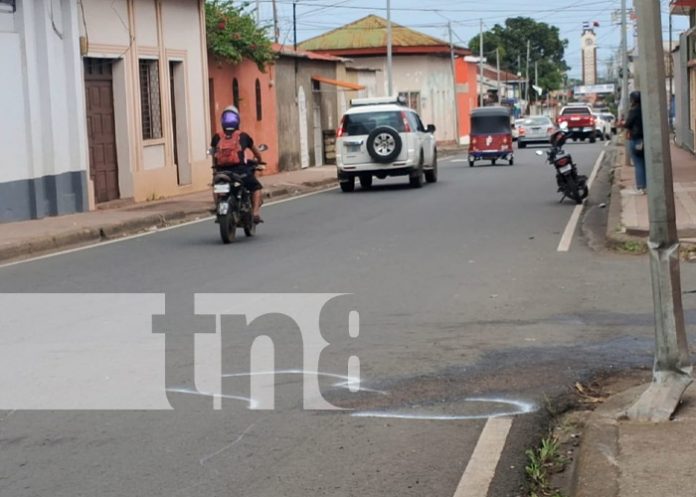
233	34
546	48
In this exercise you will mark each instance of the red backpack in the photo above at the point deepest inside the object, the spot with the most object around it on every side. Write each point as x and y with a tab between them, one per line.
229	150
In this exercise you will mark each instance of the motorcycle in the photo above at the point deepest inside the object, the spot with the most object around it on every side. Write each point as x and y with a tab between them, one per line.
233	206
571	184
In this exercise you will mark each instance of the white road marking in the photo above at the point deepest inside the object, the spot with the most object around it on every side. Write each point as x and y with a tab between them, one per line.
480	470
151	232
567	238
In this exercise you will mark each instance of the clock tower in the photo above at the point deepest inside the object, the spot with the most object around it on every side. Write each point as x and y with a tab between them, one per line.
589	57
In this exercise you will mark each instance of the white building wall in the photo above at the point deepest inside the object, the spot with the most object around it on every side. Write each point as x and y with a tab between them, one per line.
42	143
431	75
168	31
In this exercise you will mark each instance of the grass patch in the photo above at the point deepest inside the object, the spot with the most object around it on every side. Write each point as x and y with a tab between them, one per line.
543	462
632	247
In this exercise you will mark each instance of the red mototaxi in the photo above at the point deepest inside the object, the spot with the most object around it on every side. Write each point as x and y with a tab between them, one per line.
491	135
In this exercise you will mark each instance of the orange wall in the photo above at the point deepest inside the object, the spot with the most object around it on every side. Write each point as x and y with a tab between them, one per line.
246	73
467	101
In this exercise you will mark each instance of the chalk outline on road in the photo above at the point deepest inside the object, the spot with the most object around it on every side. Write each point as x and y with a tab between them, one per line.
150	232
567	238
521	408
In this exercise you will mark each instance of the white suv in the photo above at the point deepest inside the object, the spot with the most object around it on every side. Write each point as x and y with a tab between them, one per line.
383	137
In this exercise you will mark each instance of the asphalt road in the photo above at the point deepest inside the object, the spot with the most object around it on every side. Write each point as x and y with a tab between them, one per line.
461	294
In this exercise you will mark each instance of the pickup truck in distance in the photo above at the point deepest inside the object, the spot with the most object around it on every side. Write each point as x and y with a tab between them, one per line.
581	122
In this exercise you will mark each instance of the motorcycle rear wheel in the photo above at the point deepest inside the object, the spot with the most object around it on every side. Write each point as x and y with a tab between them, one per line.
228	228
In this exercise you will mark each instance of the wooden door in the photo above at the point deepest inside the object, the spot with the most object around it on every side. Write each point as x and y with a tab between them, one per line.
101	135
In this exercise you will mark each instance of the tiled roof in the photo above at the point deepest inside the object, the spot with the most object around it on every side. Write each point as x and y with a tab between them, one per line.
371	33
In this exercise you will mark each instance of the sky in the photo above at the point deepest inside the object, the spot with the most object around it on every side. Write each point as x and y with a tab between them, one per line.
315	17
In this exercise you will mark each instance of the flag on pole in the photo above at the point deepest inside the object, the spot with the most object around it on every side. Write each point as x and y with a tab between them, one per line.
586	25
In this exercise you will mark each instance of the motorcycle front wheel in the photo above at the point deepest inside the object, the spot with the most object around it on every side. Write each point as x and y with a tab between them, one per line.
228	228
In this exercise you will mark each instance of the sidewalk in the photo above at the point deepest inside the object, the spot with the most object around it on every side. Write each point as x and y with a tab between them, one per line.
24	239
620	458
634	208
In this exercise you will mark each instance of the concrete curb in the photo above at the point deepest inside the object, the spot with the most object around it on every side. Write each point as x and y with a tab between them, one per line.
77	237
596	471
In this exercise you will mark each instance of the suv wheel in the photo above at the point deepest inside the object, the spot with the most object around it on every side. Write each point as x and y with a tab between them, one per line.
384	144
416	178
431	175
348	184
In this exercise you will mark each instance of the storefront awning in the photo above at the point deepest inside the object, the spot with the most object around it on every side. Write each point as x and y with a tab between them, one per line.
682	7
341	84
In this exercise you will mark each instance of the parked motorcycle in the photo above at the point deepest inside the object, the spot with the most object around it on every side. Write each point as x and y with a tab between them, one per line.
571	184
233	206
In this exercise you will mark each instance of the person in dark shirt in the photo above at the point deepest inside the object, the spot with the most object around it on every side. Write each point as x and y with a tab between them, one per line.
634	129
231	156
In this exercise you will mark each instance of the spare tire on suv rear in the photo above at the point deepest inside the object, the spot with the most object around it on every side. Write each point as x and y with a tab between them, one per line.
384	144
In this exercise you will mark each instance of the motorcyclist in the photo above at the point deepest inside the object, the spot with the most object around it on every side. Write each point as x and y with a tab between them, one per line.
230	156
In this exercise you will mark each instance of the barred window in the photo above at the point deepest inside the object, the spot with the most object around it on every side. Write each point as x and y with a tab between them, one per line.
150	100
413	99
259	109
235	93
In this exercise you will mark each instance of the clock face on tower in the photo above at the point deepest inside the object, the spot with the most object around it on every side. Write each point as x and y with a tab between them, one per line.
589	42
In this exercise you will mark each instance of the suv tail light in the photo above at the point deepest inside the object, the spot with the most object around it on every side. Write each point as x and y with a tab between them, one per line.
407	126
341	129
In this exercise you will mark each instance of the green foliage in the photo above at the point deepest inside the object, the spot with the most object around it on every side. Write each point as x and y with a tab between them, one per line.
546	48
234	36
541	463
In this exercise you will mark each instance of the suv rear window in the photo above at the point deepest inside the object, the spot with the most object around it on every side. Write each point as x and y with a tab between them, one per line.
364	122
576	110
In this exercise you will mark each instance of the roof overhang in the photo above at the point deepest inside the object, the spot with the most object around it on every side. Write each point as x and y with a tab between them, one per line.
341	84
416	50
682	7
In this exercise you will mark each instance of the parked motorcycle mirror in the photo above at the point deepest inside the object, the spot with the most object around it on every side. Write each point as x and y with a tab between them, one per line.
263	147
564	126
210	151
539	152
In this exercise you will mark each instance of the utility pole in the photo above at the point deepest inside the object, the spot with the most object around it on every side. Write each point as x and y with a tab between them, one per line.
671	369
390	80
276	31
624	65
671	75
481	65
454	83
526	89
536	76
497	68
294	25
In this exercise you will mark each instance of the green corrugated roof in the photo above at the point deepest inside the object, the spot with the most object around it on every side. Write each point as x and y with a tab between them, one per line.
369	32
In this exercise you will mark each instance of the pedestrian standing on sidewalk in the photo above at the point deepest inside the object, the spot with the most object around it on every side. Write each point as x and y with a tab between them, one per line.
634	131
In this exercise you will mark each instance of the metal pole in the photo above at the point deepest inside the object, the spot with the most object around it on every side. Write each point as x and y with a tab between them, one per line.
536	76
497	68
481	65
454	84
624	64
276	31
294	25
671	75
258	12
672	369
526	86
623	103
390	81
